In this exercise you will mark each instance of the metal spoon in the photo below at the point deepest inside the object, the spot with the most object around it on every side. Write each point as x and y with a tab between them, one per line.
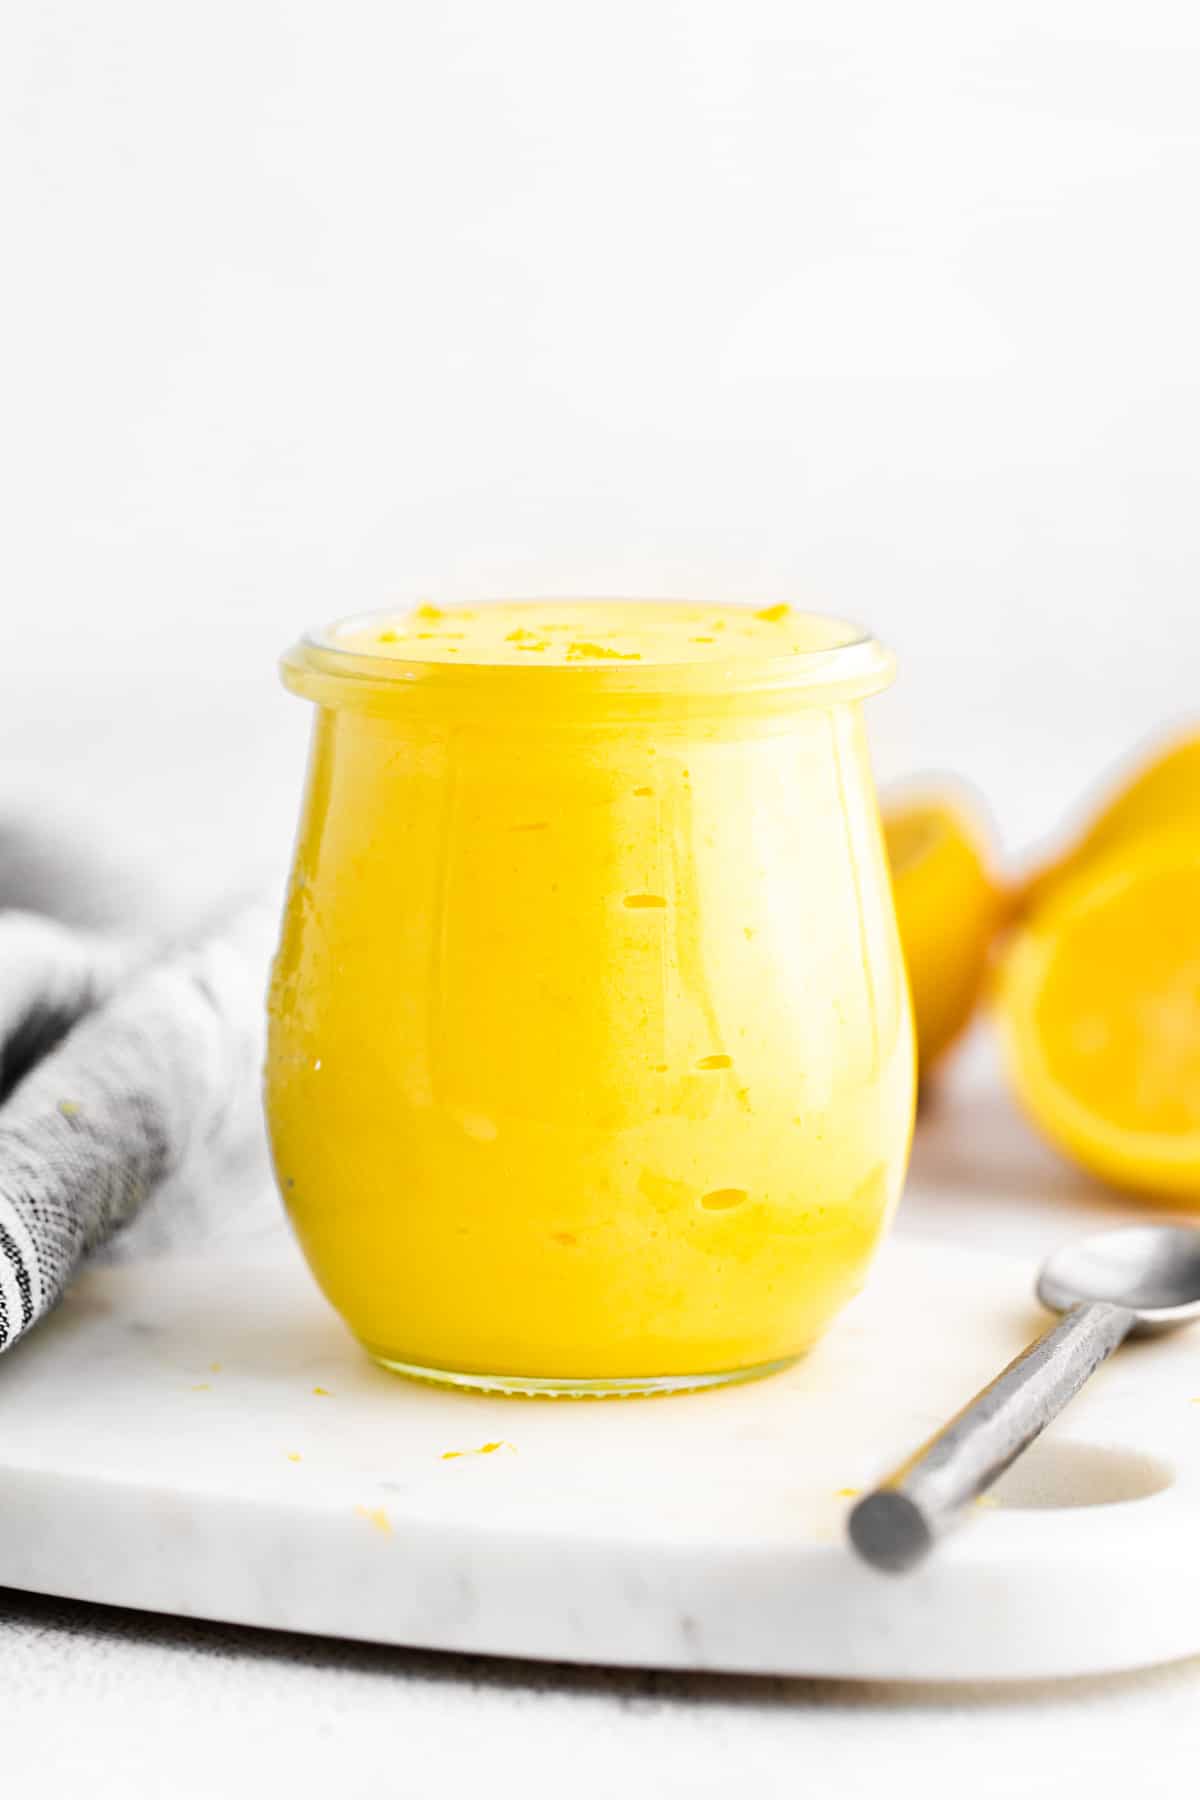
1113	1285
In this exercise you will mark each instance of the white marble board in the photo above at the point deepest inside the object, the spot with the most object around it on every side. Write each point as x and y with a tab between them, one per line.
200	1436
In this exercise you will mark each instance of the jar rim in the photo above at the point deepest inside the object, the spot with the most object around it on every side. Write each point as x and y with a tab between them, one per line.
850	664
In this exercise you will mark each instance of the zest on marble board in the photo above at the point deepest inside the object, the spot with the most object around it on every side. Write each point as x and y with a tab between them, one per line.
590	1047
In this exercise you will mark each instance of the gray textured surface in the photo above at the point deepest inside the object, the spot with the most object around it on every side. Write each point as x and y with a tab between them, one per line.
115	1703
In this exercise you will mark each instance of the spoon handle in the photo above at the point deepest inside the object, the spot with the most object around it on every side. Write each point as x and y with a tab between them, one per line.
896	1526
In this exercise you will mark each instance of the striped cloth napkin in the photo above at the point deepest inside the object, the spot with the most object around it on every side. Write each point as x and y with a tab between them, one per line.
121	1068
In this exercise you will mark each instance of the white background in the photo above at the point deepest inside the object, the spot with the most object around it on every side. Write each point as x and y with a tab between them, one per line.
307	307
312	305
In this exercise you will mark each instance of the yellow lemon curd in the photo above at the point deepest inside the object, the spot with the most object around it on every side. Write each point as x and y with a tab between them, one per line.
590	1063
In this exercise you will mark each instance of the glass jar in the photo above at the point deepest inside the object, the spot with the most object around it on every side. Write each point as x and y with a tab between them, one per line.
590	1065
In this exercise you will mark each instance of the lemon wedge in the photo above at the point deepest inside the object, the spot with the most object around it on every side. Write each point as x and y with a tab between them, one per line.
1099	1008
947	906
1163	793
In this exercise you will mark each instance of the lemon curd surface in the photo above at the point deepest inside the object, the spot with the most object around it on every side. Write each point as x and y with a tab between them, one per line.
590	1063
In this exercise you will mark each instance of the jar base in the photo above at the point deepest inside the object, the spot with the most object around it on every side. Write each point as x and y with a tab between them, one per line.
592	1387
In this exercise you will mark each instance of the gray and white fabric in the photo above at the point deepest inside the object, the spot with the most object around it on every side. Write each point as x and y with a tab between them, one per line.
117	1068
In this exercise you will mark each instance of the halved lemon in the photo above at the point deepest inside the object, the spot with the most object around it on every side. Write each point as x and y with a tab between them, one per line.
1099	1007
1161	794
947	907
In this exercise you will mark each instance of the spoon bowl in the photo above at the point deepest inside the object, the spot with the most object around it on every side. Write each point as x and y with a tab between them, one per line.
1153	1270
